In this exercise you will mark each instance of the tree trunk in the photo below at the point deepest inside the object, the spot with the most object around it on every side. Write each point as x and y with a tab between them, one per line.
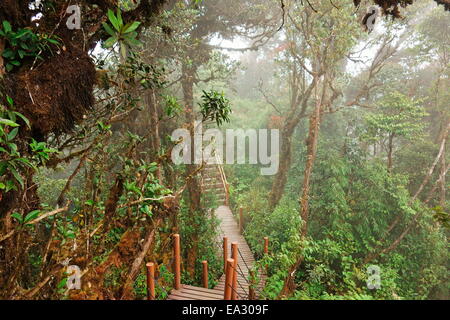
193	184
152	104
285	164
313	138
390	151
293	119
312	141
442	184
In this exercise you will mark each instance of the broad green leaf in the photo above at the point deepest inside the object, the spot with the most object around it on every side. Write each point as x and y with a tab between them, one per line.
13	134
7	26
31	216
114	21
133	42
16	175
8	54
131	26
17	216
110	42
62	283
10	100
8	122
109	29
119	17
27	122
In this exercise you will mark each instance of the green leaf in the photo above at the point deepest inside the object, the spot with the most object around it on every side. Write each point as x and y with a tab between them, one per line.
10	100
53	41
2	186
8	54
114	21
16	175
9	67
3	166
17	216
110	42
7	26
27	122
24	46
8	122
119	17
133	42
109	29
13	134
21	53
22	33
62	283
31	216
131	26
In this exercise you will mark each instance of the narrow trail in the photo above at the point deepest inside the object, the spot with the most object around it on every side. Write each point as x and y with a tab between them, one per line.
229	228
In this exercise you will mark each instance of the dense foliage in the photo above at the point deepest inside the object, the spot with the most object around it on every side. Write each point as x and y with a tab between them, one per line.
86	122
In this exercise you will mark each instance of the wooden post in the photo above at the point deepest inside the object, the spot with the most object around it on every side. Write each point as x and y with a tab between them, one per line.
266	250
228	280
177	266
225	254
205	274
266	245
150	281
251	290
241	220
234	256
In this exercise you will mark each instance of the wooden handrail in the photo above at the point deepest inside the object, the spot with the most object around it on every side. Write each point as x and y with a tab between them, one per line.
223	177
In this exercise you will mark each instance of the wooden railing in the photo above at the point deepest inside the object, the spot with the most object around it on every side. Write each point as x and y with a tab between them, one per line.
223	178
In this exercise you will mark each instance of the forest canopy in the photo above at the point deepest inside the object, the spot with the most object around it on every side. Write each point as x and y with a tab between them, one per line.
91	93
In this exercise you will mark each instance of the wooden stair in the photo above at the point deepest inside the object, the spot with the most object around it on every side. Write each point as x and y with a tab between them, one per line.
214	182
229	228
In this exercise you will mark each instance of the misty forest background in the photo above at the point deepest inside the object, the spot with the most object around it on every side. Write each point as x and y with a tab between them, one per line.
86	117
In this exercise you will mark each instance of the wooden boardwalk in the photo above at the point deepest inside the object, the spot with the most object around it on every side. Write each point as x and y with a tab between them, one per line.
229	228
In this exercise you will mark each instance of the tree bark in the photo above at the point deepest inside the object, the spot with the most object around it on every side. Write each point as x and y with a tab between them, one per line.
289	126
390	152
312	141
442	184
313	137
152	105
436	161
193	184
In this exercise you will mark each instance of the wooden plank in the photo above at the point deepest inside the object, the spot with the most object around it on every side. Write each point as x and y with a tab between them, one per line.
246	260
192	296
185	286
218	296
178	298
